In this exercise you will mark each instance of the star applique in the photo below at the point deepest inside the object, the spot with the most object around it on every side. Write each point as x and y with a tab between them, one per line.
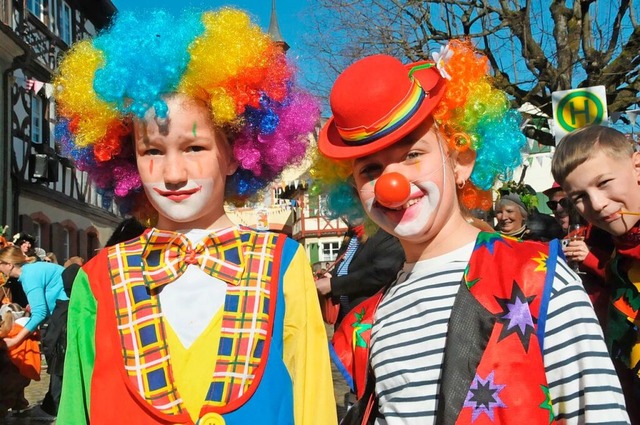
468	282
484	396
516	316
547	403
489	240
359	328
542	262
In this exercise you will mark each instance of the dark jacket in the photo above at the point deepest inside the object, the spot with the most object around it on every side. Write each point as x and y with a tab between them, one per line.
54	340
375	264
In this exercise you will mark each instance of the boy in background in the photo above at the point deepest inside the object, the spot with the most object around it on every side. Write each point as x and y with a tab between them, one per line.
600	172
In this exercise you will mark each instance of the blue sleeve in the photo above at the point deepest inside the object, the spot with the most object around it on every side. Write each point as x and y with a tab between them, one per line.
34	289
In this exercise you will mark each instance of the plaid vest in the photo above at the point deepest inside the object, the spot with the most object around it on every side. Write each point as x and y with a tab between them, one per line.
247	325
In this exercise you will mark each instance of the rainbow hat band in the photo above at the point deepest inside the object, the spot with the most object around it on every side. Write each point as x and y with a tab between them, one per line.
396	117
376	102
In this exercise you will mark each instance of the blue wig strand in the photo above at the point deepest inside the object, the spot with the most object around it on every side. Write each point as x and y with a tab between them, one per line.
343	202
164	40
499	152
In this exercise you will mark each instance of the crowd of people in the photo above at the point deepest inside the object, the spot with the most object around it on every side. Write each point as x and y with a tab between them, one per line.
442	315
488	326
35	295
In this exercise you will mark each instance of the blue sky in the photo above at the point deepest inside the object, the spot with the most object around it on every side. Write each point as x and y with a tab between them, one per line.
290	15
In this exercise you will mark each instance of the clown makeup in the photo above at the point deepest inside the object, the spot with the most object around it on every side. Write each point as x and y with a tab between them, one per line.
411	217
180	204
183	174
423	162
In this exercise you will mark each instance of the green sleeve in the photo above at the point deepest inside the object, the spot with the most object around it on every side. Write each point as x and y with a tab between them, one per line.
80	356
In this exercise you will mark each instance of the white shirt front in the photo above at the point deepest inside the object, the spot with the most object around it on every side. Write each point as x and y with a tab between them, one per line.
189	319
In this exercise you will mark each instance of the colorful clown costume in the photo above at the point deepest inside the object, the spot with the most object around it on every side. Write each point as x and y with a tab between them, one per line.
469	338
162	360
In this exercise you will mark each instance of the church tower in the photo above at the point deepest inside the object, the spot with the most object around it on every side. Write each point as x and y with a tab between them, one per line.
274	29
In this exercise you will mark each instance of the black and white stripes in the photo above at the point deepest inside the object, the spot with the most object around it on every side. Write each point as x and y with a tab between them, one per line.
409	336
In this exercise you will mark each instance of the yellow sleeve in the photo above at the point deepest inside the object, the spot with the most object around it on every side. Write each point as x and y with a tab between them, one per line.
306	352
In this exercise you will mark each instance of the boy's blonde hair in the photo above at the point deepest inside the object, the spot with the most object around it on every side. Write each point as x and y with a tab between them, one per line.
578	146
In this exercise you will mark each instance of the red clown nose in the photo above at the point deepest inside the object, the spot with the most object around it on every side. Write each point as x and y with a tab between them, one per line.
392	190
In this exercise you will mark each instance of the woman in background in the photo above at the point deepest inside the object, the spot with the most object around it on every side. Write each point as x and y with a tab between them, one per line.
42	283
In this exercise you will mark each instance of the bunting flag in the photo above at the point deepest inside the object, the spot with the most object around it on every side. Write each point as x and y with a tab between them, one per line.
37	86
29	84
48	90
632	114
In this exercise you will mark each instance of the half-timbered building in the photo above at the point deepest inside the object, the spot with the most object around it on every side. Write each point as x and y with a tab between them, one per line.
42	193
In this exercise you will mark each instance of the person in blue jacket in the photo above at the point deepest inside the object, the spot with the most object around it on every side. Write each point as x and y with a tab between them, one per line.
42	283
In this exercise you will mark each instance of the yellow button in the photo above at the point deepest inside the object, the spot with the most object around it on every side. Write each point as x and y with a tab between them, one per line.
211	419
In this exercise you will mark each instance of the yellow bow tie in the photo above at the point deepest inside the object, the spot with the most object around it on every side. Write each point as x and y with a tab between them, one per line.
166	255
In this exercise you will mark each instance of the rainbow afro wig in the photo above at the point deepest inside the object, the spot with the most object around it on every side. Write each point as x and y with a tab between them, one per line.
472	115
220	58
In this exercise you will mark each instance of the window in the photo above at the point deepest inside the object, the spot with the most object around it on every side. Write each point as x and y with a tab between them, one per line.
37	8
65	23
37	233
36	119
312	206
93	245
329	251
66	243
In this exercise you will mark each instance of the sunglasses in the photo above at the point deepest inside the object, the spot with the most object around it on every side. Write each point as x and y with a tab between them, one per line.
564	203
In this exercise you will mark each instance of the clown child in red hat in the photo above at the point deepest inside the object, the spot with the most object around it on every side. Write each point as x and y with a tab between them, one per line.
197	320
478	327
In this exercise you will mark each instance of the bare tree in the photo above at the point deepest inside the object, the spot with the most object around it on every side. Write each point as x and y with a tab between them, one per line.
535	46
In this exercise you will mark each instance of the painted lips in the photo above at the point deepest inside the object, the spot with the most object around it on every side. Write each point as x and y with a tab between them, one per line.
177	195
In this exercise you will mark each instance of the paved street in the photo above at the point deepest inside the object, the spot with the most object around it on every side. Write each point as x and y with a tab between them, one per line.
340	387
33	415
36	390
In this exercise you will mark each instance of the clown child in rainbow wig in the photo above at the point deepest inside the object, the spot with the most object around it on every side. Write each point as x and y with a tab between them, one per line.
477	327
197	320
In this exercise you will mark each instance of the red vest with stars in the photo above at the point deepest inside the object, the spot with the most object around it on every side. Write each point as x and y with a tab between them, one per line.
497	325
493	369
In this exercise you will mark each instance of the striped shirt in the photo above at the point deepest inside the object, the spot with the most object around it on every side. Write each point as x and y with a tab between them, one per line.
343	267
409	335
343	270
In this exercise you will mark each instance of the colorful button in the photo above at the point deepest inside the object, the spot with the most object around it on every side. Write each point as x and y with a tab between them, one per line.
211	419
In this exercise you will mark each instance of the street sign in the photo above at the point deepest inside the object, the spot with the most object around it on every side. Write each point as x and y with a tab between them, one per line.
573	109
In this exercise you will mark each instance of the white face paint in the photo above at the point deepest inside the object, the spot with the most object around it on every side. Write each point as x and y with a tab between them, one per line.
431	212
432	203
181	205
411	219
184	165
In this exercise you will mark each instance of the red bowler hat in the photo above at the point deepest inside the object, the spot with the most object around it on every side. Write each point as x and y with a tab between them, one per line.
376	102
